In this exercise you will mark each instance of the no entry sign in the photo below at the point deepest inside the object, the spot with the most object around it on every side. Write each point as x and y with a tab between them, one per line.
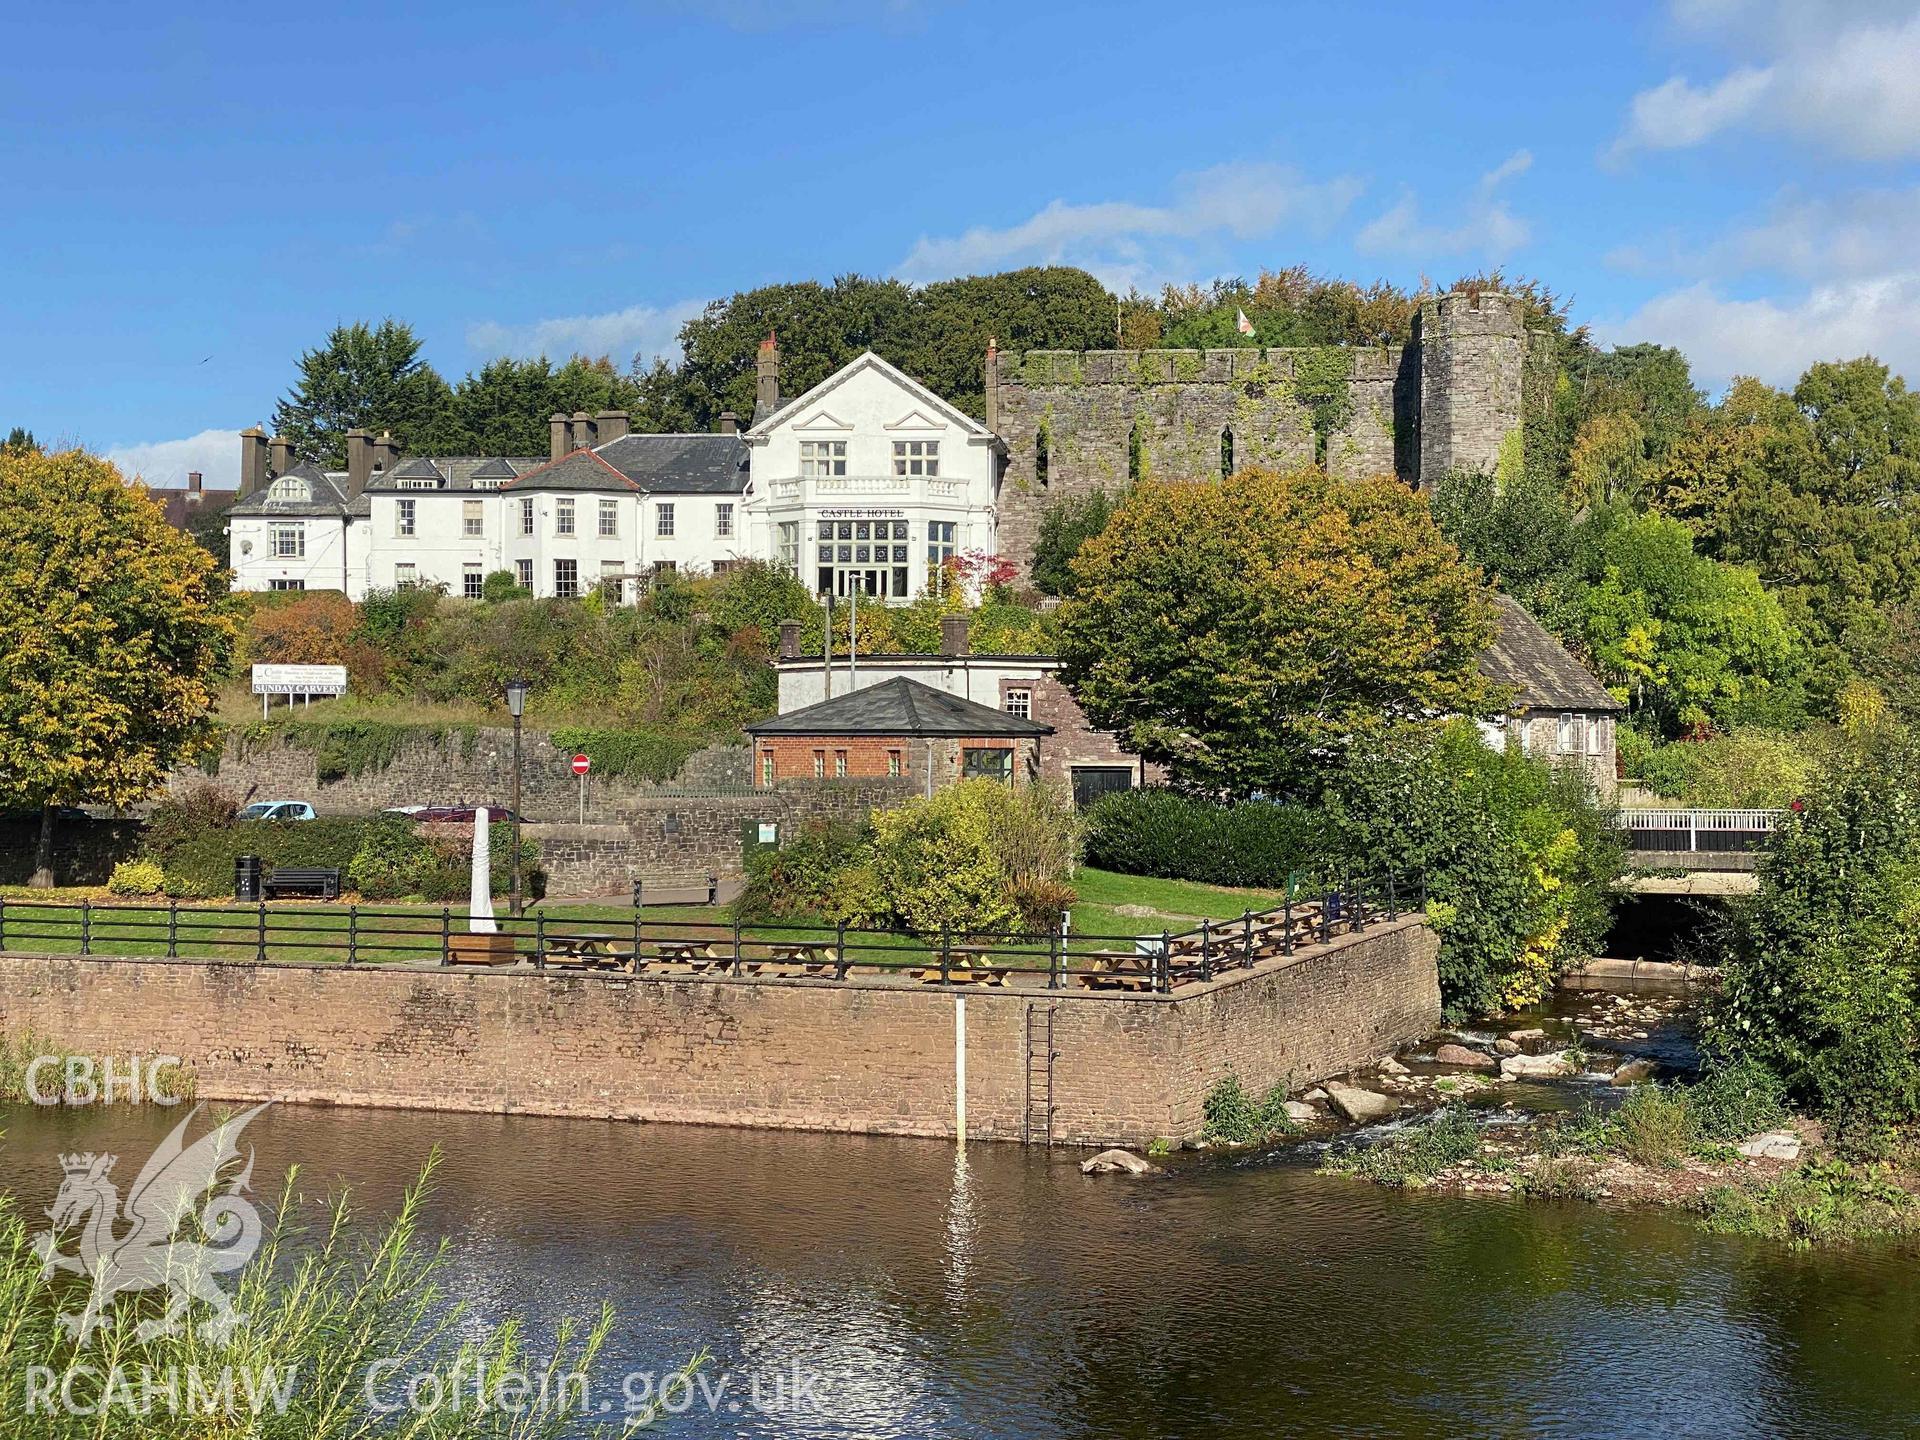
581	764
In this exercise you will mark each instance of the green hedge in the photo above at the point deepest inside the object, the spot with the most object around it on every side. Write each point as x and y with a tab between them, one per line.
1178	837
383	858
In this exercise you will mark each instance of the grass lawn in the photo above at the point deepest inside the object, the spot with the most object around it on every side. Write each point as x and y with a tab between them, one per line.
60	923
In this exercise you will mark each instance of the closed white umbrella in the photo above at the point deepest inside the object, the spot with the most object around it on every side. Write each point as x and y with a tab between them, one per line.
480	902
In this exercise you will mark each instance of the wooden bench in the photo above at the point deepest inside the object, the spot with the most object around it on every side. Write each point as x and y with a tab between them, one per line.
317	881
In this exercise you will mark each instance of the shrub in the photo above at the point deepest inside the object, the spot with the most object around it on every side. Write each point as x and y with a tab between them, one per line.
1818	1203
1750	767
1517	856
1161	832
1821	968
187	814
501	586
137	877
1735	1099
801	879
977	857
394	857
1231	1116
1414	1156
1655	1126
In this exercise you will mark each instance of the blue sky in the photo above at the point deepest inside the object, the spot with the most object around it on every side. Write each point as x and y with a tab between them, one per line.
192	198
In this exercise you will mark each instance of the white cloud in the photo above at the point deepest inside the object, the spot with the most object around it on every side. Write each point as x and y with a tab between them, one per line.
1777	339
1125	242
164	464
1488	229
1837	75
644	330
1855	236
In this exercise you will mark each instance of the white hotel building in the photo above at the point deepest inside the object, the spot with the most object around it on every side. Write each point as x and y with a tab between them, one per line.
869	481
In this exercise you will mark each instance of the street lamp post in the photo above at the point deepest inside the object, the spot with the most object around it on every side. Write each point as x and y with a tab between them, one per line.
517	706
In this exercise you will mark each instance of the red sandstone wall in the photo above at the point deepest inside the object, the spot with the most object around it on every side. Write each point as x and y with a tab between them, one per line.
861	1056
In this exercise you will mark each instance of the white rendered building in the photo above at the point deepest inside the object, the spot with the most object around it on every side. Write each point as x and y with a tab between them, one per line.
868	481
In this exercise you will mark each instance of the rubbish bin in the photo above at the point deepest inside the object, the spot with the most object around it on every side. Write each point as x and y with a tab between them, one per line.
246	877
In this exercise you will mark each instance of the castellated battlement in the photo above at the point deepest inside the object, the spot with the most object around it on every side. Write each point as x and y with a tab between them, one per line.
1079	421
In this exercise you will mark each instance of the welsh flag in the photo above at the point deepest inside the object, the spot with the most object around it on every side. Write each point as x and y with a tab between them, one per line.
1242	323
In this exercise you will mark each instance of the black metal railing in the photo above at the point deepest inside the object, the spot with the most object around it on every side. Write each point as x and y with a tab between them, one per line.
629	941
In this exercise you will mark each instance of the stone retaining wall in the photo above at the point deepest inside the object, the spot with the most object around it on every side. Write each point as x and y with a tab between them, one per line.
458	767
875	1056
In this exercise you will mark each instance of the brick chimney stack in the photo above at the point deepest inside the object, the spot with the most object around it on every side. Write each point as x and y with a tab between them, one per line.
196	482
359	461
282	460
253	460
766	395
610	425
789	639
386	452
581	431
557	435
953	636
729	423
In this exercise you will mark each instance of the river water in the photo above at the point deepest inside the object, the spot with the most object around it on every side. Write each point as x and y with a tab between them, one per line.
1001	1293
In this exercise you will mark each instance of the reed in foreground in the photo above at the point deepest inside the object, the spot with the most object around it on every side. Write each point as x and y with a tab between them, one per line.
346	1333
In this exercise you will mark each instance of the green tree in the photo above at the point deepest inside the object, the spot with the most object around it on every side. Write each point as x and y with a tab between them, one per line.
1247	632
114	630
1821	970
1693	642
1065	526
1521	534
1517	858
1867	427
18	442
370	377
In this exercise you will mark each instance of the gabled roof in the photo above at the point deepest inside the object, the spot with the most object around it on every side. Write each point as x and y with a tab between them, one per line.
900	707
329	495
1542	671
497	468
452	472
581	470
680	464
871	361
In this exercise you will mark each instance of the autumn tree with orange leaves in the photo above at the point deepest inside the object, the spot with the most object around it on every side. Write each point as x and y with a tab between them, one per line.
114	631
1247	633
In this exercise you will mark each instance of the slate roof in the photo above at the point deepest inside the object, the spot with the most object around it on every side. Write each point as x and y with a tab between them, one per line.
1541	669
899	707
454	472
680	464
581	470
329	495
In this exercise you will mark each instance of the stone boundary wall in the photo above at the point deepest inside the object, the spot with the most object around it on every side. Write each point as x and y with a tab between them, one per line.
873	1056
458	768
685	838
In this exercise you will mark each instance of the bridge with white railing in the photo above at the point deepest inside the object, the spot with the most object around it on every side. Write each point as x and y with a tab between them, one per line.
1694	851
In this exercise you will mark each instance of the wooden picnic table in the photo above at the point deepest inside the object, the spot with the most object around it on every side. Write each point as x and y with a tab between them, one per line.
813	956
695	955
583	948
966	965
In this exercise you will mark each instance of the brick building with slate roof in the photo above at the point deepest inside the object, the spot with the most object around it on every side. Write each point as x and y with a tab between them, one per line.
898	728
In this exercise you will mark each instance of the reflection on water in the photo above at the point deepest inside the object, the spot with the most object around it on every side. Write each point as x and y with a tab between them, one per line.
997	1292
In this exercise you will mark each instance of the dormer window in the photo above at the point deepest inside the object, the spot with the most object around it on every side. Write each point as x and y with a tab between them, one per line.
291	490
416	482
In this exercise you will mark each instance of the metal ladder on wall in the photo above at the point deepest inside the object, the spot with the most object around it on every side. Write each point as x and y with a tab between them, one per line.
1038	1128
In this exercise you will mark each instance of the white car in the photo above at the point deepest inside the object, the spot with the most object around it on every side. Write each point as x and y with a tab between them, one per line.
276	810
